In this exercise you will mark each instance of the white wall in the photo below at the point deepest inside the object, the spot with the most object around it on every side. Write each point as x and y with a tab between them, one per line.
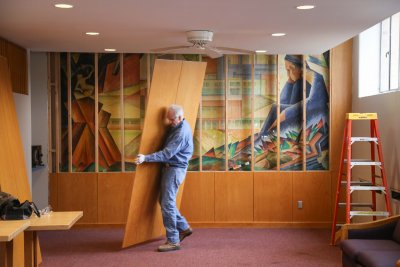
40	175
388	108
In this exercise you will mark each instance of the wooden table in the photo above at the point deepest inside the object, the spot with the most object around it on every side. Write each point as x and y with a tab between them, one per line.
9	230
60	220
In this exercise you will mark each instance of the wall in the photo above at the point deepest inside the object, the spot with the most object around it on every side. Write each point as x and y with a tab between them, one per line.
23	108
40	180
388	109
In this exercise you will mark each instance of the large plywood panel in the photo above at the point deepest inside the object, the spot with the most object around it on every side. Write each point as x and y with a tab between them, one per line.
13	174
78	192
314	189
114	195
198	197
273	192
171	83
234	196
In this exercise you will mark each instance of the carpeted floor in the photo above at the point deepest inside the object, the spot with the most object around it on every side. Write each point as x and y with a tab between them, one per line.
206	247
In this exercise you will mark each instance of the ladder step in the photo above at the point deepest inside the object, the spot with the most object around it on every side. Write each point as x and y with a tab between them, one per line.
363	139
367	205
367	187
369	213
357	183
363	162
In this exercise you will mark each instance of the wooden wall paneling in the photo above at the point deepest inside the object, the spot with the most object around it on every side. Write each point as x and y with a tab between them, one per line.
314	189
273	193
172	82
78	191
13	173
198	197
17	59
234	196
114	194
341	103
53	190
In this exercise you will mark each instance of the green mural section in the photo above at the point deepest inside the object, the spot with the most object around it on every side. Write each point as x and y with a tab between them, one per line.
64	158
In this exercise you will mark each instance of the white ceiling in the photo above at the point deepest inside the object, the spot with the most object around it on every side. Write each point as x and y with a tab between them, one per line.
138	26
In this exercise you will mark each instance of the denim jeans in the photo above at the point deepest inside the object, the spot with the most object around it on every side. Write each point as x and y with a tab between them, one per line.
174	222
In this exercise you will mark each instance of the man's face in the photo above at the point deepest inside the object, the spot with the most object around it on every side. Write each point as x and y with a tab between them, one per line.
172	119
293	72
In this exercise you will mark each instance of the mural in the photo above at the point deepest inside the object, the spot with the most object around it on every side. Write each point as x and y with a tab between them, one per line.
265	85
64	159
109	112
213	116
317	112
221	141
135	92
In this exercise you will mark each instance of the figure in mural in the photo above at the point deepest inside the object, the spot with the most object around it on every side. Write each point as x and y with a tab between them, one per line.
291	94
177	151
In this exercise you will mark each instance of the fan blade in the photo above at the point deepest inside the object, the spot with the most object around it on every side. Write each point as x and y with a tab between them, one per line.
236	50
212	52
168	49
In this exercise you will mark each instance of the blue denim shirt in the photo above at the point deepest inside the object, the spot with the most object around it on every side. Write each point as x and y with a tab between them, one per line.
178	148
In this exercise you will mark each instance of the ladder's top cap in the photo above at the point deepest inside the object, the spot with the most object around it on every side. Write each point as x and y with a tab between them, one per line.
361	116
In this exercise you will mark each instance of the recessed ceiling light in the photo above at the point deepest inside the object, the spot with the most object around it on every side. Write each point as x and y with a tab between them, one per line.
304	7
110	49
277	34
92	33
63	6
261	51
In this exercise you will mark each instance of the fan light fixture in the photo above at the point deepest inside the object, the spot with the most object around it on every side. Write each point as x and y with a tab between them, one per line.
199	38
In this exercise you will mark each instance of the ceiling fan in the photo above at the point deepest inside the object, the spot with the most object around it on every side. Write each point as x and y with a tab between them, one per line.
200	40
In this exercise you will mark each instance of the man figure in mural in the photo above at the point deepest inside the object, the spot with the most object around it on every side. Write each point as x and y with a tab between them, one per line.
175	155
291	94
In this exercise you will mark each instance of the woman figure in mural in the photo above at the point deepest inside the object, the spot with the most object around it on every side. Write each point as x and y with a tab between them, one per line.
291	94
83	75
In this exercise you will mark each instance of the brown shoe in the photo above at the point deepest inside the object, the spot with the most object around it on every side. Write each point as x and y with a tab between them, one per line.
185	233
169	247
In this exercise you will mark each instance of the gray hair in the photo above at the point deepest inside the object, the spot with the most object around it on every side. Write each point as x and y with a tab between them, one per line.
177	110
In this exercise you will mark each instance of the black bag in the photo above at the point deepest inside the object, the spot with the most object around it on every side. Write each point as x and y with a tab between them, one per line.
12	209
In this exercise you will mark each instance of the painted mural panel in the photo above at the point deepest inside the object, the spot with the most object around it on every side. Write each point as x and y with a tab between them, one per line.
239	112
83	111
317	112
291	111
213	116
109	112
265	97
64	159
135	92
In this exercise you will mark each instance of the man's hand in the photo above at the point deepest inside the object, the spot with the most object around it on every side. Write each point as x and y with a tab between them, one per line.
140	159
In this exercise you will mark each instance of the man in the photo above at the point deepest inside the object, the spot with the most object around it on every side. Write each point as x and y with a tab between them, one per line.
175	155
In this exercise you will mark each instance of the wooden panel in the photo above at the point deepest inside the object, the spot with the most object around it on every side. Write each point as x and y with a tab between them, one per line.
78	192
273	196
17	60
114	196
171	81
53	190
198	197
314	189
234	196
13	174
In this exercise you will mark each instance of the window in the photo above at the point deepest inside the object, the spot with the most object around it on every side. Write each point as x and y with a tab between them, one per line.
379	49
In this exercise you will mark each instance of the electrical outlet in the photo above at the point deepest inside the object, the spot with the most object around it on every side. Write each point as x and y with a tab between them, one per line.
299	204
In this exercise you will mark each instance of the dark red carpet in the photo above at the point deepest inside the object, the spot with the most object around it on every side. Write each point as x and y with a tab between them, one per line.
205	247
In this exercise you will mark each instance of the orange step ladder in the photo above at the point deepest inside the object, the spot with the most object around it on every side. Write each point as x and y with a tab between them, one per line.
345	178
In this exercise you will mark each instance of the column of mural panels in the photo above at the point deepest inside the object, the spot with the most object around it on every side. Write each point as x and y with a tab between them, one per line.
172	82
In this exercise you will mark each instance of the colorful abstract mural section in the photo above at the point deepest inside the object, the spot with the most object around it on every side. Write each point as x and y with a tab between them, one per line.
265	84
239	112
83	111
134	95
64	159
213	116
109	112
317	112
